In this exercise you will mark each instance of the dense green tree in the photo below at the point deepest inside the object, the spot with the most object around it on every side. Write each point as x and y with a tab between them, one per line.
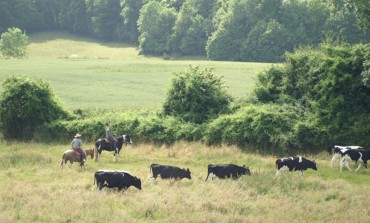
13	43
173	3
196	95
19	13
266	42
191	30
72	16
26	105
155	26
362	10
327	82
127	30
104	17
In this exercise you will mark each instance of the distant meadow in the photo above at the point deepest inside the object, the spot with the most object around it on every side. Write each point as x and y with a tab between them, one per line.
87	74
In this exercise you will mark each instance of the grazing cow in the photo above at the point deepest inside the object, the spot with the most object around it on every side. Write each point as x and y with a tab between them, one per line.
116	178
338	152
226	171
169	172
297	163
359	155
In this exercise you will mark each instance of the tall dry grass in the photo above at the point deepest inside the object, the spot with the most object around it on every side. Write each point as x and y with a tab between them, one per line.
35	189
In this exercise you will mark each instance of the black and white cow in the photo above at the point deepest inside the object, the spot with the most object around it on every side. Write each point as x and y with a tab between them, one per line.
169	172
227	171
116	178
297	163
338	152
359	155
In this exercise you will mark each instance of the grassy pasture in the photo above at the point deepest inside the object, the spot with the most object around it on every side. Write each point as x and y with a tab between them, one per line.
35	189
85	73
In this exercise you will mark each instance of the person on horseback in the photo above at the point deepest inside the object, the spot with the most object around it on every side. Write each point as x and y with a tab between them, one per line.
77	146
110	136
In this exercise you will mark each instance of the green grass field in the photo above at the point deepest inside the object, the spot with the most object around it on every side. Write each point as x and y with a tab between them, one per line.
35	189
88	74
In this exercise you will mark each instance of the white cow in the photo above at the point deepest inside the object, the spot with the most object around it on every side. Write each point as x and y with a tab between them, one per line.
338	152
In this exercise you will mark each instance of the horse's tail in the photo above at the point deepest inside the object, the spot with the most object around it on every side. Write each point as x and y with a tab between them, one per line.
63	159
96	148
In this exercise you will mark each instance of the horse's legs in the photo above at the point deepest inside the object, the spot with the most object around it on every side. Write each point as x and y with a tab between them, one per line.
116	153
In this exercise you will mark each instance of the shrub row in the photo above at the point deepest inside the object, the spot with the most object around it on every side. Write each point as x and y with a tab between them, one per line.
270	128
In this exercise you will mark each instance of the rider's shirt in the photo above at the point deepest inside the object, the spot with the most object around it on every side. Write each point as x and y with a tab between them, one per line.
76	143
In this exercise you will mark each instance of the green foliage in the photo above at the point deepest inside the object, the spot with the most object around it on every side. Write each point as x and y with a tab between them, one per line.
362	10
238	30
26	105
196	95
130	13
13	43
104	16
328	84
266	127
155	26
190	31
266	42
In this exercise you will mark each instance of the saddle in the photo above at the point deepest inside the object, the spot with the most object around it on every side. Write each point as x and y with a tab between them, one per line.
76	153
107	140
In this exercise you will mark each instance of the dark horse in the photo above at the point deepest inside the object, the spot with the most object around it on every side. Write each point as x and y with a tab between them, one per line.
104	144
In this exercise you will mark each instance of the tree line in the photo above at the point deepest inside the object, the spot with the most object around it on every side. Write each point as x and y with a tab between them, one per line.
239	30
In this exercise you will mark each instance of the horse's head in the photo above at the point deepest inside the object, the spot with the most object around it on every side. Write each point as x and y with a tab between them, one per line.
90	152
127	139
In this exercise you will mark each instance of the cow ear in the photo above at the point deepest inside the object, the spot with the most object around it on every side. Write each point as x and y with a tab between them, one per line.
188	170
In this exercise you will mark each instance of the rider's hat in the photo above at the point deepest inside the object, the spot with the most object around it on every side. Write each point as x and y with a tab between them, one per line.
77	135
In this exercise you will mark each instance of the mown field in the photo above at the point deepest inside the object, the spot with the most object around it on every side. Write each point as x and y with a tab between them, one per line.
89	74
35	189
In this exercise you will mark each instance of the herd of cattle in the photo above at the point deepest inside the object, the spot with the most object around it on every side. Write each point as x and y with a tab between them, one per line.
123	179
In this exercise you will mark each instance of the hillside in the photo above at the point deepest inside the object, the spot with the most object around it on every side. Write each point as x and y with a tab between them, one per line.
87	73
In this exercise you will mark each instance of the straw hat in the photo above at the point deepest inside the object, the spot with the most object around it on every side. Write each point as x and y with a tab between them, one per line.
77	135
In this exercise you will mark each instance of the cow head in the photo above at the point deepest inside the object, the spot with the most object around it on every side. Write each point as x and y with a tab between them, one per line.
137	183
313	165
246	170
187	173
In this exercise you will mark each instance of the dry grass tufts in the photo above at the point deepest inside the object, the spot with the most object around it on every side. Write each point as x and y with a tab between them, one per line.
43	192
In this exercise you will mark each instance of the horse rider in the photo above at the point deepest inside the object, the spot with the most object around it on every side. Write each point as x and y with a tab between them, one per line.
110	136
77	146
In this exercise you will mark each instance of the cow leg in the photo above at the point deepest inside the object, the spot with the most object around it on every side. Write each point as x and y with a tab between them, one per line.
359	166
347	165
282	169
301	172
345	162
100	185
209	175
335	157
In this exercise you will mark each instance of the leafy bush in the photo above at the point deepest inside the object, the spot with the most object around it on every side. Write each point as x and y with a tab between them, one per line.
329	83
14	43
26	105
266	127
196	95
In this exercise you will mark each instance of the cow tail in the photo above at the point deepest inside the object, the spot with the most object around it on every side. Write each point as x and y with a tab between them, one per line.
150	169
63	157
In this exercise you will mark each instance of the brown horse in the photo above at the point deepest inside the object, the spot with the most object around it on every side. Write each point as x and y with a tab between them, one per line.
72	156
